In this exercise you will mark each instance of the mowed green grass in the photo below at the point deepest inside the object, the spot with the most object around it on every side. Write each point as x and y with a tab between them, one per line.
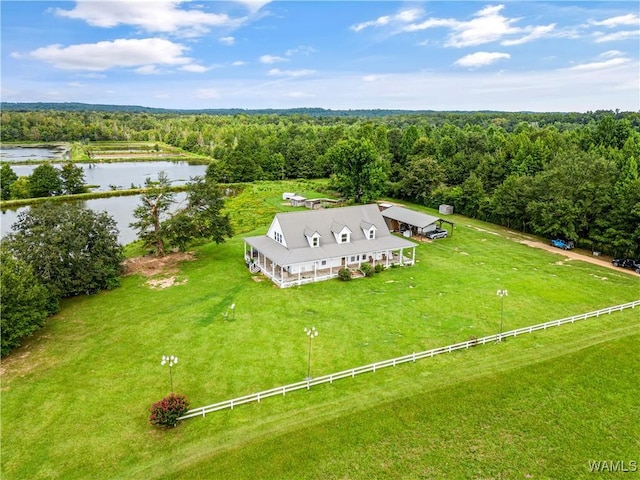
75	399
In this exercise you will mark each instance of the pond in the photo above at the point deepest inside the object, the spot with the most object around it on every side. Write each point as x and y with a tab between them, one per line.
122	175
120	208
24	153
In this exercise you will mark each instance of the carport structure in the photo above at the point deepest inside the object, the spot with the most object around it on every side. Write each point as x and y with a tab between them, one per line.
401	219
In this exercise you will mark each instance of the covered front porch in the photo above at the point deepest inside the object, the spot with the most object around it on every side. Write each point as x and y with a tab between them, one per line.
317	271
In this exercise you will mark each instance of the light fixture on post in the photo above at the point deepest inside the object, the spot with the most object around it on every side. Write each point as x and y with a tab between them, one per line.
311	333
501	294
171	360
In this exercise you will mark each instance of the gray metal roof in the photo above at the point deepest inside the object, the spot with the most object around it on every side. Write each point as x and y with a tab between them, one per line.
410	217
295	224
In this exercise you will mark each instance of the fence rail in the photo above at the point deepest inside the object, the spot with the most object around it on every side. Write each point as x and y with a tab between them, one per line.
372	367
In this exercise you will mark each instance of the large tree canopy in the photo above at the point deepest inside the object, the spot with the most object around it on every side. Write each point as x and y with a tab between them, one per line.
153	212
72	250
360	171
201	218
25	302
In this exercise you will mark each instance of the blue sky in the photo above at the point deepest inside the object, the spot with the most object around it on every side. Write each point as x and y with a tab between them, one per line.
438	55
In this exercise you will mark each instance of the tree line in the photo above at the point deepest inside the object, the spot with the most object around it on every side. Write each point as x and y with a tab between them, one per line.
45	181
573	175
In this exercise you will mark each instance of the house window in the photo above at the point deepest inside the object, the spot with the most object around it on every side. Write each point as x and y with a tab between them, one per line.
344	238
315	241
372	234
324	262
277	236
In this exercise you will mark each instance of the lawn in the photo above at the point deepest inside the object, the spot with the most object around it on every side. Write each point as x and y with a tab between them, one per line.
75	399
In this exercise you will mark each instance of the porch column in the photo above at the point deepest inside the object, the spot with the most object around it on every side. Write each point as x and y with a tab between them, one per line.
402	256
299	271
413	256
273	270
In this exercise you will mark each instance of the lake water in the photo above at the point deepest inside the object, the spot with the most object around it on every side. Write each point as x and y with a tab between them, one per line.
22	154
122	175
120	208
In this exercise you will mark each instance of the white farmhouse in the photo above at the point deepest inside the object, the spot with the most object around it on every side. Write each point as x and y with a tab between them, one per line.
311	246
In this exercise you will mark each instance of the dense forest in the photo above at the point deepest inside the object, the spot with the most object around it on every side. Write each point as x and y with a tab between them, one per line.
573	175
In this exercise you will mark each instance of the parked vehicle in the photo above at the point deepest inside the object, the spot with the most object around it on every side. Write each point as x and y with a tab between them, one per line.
563	244
629	263
437	233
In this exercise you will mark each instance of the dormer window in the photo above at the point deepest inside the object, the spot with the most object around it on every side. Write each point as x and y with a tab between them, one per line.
313	237
341	232
369	230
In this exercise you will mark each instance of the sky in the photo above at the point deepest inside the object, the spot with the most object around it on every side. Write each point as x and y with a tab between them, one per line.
412	55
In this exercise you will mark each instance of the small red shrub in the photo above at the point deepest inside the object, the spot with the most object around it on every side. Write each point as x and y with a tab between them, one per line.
166	412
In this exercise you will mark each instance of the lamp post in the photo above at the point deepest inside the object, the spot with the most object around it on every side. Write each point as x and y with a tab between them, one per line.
311	333
233	311
171	360
501	294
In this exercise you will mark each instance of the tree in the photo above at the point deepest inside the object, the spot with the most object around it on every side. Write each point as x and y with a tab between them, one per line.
153	213
7	178
72	178
72	250
360	172
422	177
45	181
202	218
25	302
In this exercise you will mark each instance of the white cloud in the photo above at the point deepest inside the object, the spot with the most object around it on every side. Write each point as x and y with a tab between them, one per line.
629	19
227	40
276	72
207	93
147	70
487	26
302	50
534	34
371	78
612	53
614	62
254	5
195	68
269	59
614	37
152	16
238	63
115	54
404	16
481	59
300	95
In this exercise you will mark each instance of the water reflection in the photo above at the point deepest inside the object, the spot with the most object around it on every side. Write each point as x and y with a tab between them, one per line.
119	176
120	208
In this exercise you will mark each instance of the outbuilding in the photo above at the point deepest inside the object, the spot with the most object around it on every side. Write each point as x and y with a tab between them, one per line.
410	222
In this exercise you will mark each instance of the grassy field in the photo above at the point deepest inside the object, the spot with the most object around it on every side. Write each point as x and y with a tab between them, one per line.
75	398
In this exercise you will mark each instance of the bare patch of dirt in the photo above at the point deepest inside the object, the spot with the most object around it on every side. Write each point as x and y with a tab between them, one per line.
161	271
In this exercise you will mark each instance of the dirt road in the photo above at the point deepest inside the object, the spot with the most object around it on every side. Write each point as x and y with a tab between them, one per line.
569	254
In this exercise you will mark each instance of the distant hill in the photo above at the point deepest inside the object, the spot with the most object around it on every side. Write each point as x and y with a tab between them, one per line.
315	112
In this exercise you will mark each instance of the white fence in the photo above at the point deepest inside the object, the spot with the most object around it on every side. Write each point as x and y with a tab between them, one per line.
372	367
